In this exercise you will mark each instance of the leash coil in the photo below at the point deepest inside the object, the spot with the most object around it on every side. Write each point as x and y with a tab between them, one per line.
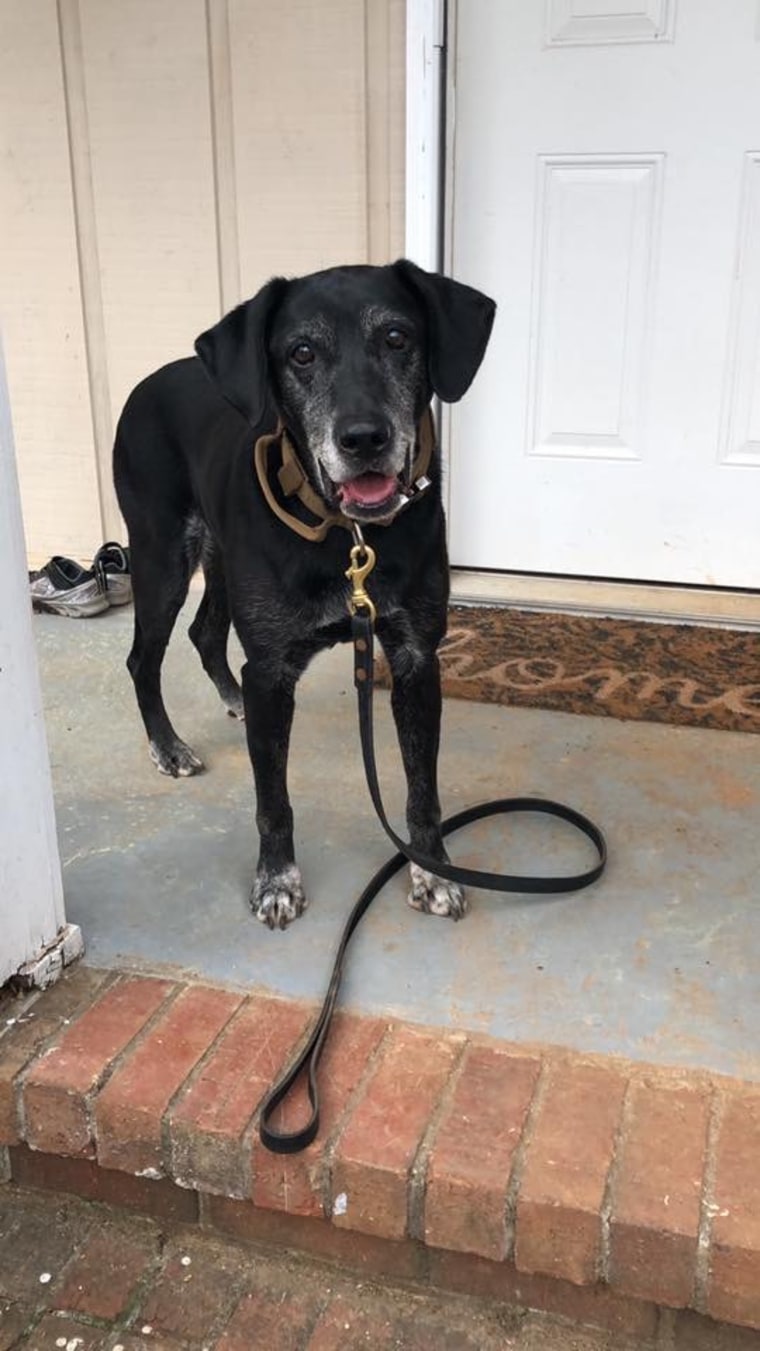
362	628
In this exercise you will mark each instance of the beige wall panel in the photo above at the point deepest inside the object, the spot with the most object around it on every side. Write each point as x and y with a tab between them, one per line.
300	135
147	85
40	306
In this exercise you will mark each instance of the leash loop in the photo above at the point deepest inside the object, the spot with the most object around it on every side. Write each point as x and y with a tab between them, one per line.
362	627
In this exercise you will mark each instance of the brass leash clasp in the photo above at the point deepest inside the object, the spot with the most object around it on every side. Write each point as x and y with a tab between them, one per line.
362	562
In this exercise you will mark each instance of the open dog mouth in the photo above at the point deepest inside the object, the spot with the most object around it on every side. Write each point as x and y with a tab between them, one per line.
369	491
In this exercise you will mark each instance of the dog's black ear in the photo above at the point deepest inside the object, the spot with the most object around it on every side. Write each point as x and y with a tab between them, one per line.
459	325
234	352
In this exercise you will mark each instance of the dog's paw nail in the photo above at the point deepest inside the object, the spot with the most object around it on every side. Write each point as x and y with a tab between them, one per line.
234	706
175	759
436	896
278	898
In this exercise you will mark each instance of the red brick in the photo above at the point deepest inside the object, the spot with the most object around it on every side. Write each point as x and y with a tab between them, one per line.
14	1318
47	1335
692	1332
36	1022
346	1326
103	1276
198	1288
473	1151
596	1305
734	1292
58	1089
37	1237
362	1253
567	1160
129	1111
295	1182
657	1191
374	1156
83	1177
206	1128
270	1320
358	1319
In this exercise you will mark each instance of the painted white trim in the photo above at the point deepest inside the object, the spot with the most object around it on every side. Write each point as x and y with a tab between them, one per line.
425	27
621	600
31	890
90	277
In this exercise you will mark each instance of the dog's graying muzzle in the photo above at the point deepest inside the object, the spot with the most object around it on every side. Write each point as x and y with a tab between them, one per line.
275	458
362	613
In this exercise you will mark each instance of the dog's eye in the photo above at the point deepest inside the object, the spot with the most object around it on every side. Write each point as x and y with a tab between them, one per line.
396	339
302	354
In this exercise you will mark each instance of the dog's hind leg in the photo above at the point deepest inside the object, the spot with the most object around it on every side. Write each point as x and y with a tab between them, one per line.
160	579
210	629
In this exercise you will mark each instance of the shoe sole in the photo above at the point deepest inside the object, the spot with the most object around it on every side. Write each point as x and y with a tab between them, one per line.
73	610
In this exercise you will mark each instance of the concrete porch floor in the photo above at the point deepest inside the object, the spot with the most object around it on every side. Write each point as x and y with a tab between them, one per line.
659	961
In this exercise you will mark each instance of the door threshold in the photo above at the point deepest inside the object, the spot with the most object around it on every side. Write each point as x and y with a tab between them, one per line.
622	600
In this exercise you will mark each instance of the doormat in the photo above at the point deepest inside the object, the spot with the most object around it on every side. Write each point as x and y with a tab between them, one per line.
621	668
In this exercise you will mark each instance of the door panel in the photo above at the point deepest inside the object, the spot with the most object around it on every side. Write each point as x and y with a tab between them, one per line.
606	192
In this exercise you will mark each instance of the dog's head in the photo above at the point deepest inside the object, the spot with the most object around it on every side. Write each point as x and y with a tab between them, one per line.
350	358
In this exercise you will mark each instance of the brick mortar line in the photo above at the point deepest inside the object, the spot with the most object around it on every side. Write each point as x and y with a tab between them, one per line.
109	1070
326	1162
665	1332
185	1087
518	1159
125	1321
702	1272
613	1172
112	979
416	1192
243	1286
73	1256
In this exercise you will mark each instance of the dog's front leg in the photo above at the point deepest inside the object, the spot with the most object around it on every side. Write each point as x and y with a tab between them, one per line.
416	704
277	895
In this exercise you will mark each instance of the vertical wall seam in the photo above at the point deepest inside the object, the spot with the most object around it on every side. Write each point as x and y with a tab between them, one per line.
223	153
85	221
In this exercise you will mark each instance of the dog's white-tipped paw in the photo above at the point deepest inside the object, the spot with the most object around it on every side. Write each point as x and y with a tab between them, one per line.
278	898
435	896
175	758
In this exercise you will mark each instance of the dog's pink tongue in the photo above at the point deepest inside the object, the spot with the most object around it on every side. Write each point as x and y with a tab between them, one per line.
368	489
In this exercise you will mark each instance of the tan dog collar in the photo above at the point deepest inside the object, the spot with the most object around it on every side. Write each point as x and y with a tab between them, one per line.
294	483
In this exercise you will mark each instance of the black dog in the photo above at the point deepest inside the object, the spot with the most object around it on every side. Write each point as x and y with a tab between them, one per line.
348	361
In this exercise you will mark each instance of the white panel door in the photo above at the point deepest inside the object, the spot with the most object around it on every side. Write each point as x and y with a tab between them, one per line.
606	192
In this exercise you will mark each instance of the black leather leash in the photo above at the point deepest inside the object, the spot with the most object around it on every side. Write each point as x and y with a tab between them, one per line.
362	627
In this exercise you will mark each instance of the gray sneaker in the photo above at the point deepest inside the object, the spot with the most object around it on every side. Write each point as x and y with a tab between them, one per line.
65	588
111	567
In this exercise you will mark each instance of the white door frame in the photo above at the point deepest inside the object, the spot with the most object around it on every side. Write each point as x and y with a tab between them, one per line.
36	941
425	52
430	130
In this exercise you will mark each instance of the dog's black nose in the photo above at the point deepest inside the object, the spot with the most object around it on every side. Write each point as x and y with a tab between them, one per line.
362	436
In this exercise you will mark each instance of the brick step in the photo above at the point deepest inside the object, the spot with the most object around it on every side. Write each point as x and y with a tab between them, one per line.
597	1189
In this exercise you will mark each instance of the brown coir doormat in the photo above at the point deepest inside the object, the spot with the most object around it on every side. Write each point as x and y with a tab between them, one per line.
622	668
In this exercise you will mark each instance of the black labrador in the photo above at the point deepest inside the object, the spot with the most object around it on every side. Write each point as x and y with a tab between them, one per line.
347	360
